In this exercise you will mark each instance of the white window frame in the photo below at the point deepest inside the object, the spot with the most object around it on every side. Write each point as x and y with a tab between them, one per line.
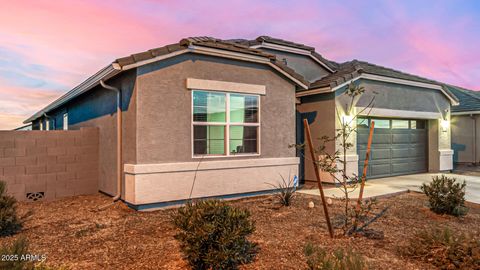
227	125
47	124
65	121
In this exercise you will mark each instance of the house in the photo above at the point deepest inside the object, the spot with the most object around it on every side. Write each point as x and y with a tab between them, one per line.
214	118
465	126
199	118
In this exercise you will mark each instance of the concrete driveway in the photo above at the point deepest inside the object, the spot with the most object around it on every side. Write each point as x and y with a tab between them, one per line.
399	184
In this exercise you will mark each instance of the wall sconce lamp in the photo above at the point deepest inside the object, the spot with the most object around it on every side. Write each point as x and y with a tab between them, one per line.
444	124
347	119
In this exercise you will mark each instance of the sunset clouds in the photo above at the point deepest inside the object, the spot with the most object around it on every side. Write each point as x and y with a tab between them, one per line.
48	47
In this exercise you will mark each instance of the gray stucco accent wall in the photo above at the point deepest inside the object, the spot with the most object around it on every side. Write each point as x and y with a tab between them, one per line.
399	97
164	115
302	64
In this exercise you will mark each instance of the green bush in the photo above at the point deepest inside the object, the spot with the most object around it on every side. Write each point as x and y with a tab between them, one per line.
445	249
10	223
446	196
213	235
319	259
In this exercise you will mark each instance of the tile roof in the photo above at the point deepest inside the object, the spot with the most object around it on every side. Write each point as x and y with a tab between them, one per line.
469	100
352	69
259	40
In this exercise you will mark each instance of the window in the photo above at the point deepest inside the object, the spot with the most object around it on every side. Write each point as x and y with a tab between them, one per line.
225	123
362	122
381	123
47	122
65	121
400	124
417	124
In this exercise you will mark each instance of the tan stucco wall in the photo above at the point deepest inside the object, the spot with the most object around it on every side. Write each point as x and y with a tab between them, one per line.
164	116
170	182
464	130
322	108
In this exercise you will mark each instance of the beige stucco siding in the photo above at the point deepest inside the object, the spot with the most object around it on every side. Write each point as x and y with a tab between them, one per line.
320	111
164	117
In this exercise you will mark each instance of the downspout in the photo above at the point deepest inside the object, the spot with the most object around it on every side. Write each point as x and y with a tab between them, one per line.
119	139
474	118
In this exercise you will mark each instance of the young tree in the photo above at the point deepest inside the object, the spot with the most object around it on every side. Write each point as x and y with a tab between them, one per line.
353	218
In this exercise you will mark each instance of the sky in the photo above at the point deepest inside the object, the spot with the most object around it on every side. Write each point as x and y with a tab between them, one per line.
49	47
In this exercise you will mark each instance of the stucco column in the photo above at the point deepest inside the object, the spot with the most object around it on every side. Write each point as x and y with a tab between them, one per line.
439	144
351	154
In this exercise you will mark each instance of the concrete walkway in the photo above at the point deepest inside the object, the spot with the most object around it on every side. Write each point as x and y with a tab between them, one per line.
398	184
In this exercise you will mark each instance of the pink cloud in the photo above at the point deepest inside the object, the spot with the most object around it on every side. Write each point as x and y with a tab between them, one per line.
73	39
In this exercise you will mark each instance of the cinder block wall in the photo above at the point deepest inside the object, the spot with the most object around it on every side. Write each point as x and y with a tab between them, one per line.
49	164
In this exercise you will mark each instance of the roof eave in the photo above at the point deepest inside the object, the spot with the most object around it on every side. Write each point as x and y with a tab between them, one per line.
103	74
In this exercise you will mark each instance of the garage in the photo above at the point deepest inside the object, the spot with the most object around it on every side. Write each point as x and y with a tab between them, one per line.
399	146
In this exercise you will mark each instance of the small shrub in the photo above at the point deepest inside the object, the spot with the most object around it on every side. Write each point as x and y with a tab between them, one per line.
319	259
213	235
285	191
10	223
444	249
446	196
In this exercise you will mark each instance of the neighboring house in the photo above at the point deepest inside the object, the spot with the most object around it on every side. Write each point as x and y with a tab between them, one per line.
209	117
466	126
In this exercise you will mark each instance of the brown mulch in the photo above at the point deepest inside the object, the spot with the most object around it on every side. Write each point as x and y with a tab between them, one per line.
73	233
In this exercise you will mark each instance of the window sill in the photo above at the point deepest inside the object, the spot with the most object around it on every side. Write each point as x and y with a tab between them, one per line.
225	156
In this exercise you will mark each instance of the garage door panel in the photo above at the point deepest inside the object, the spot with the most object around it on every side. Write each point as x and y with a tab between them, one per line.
380	154
400	138
400	153
418	137
379	138
400	168
380	169
394	151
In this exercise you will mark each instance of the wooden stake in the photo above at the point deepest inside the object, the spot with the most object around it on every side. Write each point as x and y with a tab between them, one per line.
317	175
365	166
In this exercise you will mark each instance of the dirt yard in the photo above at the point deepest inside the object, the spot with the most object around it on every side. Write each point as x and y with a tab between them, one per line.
73	233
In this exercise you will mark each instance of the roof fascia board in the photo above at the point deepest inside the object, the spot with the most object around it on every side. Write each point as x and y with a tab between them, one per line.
277	47
244	57
155	59
465	113
381	79
103	74
398	81
313	92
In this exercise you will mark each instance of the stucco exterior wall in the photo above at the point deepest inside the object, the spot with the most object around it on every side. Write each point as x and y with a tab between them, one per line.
302	64
320	112
164	133
164	117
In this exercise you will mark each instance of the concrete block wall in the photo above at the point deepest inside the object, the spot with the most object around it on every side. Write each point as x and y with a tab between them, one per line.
48	165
